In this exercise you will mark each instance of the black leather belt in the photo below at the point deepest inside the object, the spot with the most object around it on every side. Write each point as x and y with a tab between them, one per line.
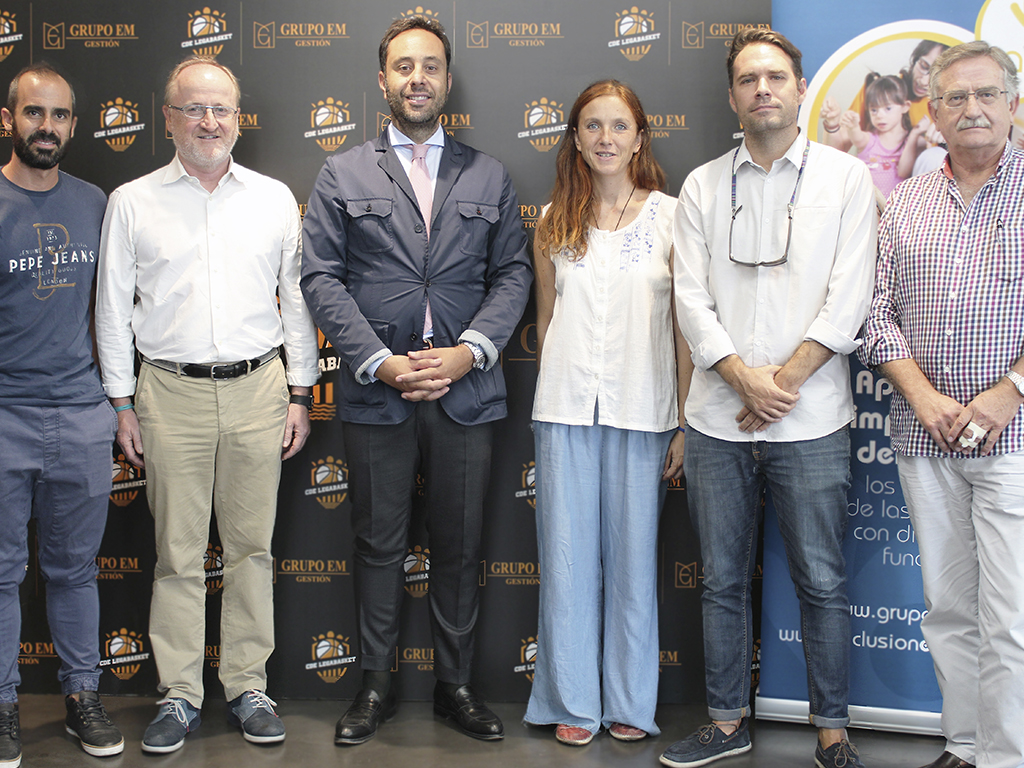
216	371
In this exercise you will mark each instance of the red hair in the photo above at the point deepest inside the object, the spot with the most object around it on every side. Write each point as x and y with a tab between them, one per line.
564	226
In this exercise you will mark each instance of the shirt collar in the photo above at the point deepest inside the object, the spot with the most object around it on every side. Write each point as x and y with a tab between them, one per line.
947	168
397	138
794	154
176	171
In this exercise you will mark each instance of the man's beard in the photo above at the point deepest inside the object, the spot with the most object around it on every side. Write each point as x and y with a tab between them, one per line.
34	157
401	113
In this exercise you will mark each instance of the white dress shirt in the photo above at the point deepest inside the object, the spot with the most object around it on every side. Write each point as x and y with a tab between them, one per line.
610	342
403	148
763	314
192	276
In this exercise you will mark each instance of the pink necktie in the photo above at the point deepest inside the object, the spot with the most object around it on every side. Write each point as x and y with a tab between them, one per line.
419	177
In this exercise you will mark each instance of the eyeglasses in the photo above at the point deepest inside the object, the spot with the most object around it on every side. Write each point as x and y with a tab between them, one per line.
789	215
958	99
198	111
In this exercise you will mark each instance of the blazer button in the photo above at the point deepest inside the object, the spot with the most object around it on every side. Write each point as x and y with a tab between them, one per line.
414	337
418	228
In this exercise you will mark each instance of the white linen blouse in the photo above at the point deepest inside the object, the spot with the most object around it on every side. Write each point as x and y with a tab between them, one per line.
610	345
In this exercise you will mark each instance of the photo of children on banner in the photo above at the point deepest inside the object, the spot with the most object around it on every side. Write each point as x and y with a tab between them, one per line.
882	133
893	149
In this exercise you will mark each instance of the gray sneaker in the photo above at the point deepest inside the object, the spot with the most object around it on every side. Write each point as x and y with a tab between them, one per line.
254	713
842	754
707	745
10	736
175	720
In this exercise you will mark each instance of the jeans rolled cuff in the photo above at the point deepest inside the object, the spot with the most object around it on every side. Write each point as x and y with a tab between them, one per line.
829	722
724	715
79	683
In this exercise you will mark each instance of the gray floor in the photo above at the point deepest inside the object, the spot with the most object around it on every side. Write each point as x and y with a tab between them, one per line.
415	740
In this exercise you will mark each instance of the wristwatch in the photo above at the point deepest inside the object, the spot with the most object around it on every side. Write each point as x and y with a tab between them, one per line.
479	358
306	400
1017	379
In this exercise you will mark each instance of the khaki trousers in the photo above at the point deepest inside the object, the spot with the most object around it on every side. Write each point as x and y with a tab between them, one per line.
212	444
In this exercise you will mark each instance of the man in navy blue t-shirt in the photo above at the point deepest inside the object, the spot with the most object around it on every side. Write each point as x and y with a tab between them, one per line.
56	425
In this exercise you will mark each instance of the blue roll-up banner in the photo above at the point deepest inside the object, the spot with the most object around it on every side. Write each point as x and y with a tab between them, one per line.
892	680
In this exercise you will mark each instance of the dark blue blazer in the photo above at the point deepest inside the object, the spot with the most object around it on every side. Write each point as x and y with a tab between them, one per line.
368	269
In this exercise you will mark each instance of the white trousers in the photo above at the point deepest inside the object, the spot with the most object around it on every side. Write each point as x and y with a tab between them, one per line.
968	517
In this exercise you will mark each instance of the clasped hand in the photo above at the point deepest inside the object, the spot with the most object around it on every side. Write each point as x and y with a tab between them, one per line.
426	374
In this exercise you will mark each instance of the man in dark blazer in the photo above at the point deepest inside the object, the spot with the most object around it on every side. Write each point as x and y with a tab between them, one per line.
415	268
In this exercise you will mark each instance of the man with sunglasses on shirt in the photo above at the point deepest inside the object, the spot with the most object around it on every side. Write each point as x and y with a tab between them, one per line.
774	256
199	270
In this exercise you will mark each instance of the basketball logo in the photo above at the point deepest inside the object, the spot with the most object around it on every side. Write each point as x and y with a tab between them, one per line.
123	652
329	479
540	114
8	30
331	654
206	24
529	480
119	113
213	565
326	114
527	658
127	480
417	571
634	23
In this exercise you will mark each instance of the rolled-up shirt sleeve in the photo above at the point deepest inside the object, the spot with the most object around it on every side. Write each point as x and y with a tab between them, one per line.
849	286
883	339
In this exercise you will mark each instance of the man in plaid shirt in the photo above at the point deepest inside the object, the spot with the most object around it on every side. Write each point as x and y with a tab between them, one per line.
946	327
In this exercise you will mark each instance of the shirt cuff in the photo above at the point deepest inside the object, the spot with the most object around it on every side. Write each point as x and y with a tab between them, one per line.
302	377
490	351
366	374
114	391
717	346
829	336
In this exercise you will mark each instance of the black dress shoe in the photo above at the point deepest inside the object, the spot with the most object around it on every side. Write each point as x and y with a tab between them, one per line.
468	711
949	760
360	721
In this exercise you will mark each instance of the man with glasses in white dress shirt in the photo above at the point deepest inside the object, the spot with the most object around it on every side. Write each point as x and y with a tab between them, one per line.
194	260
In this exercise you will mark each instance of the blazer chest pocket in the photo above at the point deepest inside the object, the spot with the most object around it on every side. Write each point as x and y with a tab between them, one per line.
371	230
476	220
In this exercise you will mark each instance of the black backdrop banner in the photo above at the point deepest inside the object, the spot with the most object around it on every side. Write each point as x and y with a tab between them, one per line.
308	71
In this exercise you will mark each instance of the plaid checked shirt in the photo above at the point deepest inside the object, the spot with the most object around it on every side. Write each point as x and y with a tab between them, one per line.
949	292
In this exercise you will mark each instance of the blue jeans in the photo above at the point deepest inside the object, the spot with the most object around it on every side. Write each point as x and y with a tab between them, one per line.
808	481
54	466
